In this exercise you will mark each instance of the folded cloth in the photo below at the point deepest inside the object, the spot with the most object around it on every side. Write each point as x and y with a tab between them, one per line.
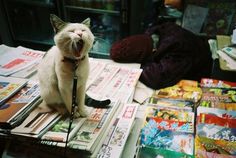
136	48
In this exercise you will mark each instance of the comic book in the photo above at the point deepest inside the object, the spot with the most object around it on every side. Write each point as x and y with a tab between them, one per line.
149	152
9	86
216	132
19	106
171	103
205	154
214	83
185	89
151	136
178	126
213	119
219	91
215	146
217	112
219	94
169	114
218	105
115	141
168	129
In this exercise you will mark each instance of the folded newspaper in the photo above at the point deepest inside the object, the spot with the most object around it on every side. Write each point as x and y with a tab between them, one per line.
116	139
59	131
37	123
91	134
17	59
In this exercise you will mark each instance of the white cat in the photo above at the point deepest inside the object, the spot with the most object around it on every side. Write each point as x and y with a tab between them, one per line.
69	55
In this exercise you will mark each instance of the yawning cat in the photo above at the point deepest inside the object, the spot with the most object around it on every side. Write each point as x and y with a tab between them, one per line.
68	58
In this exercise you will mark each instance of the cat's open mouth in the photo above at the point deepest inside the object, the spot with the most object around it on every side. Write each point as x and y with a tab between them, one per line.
78	48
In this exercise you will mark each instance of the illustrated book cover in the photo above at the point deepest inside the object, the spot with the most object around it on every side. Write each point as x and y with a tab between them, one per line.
18	107
9	86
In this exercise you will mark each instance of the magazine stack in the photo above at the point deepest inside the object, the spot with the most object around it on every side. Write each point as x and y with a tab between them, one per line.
18	98
168	129
216	120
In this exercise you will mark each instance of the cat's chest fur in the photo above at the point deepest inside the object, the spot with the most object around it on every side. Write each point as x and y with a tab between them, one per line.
66	69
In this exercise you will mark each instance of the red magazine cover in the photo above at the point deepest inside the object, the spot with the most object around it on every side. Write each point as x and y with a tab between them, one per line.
216	120
209	82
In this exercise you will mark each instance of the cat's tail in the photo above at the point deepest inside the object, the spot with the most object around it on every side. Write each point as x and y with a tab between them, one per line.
90	102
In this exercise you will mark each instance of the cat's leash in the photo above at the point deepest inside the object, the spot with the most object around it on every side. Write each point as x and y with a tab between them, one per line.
73	107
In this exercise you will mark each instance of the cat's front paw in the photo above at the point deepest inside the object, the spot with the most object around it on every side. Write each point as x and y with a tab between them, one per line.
81	113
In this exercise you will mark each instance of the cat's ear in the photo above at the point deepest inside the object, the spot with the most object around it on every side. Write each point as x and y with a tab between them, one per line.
87	22
57	23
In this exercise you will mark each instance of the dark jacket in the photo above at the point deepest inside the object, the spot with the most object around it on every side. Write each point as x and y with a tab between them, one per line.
179	54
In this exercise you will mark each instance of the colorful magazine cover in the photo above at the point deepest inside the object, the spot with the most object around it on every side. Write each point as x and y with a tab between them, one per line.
216	120
149	152
185	89
215	146
205	154
178	126
172	103
15	108
209	82
216	132
217	112
218	105
219	94
168	114
219	91
151	136
9	86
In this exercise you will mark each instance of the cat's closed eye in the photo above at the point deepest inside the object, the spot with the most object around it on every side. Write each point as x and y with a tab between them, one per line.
71	30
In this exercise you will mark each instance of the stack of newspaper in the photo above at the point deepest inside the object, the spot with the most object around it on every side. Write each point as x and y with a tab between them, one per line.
107	80
87	134
19	62
113	81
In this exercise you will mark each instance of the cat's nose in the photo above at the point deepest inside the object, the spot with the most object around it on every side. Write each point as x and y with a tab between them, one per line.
79	33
